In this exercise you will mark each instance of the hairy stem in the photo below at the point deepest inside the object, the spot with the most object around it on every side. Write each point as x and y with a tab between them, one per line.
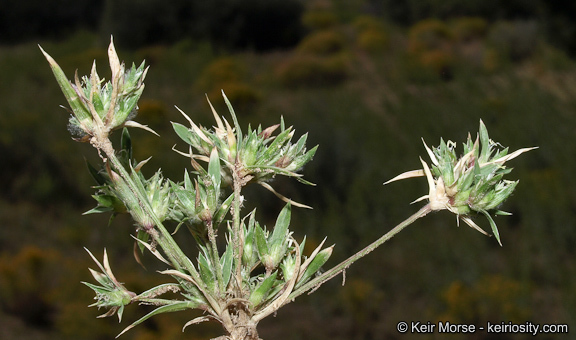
178	259
215	256
237	238
326	276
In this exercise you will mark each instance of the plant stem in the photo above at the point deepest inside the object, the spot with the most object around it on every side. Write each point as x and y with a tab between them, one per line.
236	237
215	256
178	259
331	273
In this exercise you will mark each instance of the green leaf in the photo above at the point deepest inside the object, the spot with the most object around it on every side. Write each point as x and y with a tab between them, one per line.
101	180
206	272
187	200
302	160
183	132
220	214
502	194
493	225
174	307
315	265
188	185
272	152
227	262
484	143
215	177
261	244
248	153
214	167
299	146
80	111
260	294
97	289
144	237
126	144
98	210
281	226
233	114
110	202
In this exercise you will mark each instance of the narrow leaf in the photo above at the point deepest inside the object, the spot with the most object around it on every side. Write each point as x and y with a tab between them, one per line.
261	243
315	265
260	294
281	226
233	114
175	307
80	111
493	225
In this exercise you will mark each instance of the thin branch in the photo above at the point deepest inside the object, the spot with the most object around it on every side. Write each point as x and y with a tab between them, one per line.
326	276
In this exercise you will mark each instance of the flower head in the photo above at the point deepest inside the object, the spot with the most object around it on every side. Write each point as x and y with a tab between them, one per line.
256	156
110	293
98	108
473	183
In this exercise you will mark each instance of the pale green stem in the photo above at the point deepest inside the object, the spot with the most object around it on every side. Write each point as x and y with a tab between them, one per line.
178	259
331	273
215	256
237	239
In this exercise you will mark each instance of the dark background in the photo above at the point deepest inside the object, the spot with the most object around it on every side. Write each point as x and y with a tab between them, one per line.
367	80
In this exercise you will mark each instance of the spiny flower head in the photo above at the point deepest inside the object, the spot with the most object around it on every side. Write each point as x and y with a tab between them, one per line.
255	157
110	293
472	183
98	108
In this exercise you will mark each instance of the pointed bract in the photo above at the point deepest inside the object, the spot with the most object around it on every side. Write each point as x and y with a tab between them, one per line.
472	183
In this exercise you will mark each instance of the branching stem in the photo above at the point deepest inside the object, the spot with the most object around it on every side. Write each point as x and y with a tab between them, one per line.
326	276
178	259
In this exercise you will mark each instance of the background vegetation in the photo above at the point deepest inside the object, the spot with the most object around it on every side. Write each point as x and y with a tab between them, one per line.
366	79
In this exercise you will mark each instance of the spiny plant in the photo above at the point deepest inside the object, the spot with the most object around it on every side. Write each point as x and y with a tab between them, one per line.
244	271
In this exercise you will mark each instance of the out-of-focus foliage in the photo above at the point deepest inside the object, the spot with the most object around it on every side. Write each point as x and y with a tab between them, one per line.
26	20
229	75
258	24
251	24
371	34
490	298
319	60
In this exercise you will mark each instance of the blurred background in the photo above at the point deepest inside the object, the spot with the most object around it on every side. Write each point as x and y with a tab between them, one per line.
367	79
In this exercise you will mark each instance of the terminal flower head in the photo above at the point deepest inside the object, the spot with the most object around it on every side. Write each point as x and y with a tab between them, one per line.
471	184
97	108
110	293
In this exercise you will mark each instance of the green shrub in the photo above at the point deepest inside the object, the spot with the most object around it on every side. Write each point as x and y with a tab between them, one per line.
325	42
516	40
228	74
428	35
221	70
241	95
372	40
467	28
368	22
490	298
371	34
430	46
310	70
319	19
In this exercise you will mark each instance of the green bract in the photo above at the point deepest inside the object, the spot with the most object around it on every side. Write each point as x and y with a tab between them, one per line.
257	156
99	108
111	293
472	183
